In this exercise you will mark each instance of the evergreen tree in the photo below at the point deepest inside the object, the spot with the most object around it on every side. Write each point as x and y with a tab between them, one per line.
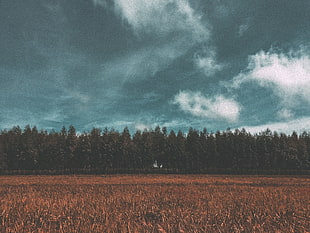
82	155
96	159
3	154
70	147
194	152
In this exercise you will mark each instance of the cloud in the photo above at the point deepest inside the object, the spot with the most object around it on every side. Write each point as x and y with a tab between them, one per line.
207	62
298	125
142	127
141	63
161	17
22	117
218	107
287	75
168	30
138	122
76	96
285	114
243	28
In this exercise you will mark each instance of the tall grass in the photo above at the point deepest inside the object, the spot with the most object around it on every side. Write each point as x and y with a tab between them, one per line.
154	203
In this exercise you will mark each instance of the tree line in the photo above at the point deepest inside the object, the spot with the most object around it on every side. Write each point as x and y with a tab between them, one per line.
191	152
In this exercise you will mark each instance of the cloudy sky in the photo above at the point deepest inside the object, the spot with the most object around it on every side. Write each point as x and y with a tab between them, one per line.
140	63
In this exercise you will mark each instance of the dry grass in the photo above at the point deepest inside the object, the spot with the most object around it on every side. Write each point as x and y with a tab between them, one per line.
154	203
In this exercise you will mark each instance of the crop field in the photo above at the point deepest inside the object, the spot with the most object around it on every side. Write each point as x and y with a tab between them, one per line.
154	203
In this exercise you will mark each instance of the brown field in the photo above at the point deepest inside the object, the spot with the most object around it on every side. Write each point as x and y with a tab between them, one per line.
154	203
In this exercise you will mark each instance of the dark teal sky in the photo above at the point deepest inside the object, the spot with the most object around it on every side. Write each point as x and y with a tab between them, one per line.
142	63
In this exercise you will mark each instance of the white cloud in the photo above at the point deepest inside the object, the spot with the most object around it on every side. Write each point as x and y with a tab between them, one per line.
15	116
142	127
76	95
213	108
207	62
285	114
137	123
21	117
288	76
298	125
160	16
242	29
177	28
141	63
55	116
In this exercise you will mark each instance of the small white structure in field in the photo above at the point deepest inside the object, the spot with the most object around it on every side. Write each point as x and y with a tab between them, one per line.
156	165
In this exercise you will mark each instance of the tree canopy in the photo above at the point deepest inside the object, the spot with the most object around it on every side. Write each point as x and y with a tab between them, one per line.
191	152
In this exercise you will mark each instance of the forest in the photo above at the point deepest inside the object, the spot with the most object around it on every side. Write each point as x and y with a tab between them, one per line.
155	150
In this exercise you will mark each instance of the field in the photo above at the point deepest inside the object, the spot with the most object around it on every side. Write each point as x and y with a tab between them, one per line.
154	203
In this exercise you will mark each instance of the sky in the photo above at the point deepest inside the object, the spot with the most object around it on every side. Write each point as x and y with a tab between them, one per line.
212	64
